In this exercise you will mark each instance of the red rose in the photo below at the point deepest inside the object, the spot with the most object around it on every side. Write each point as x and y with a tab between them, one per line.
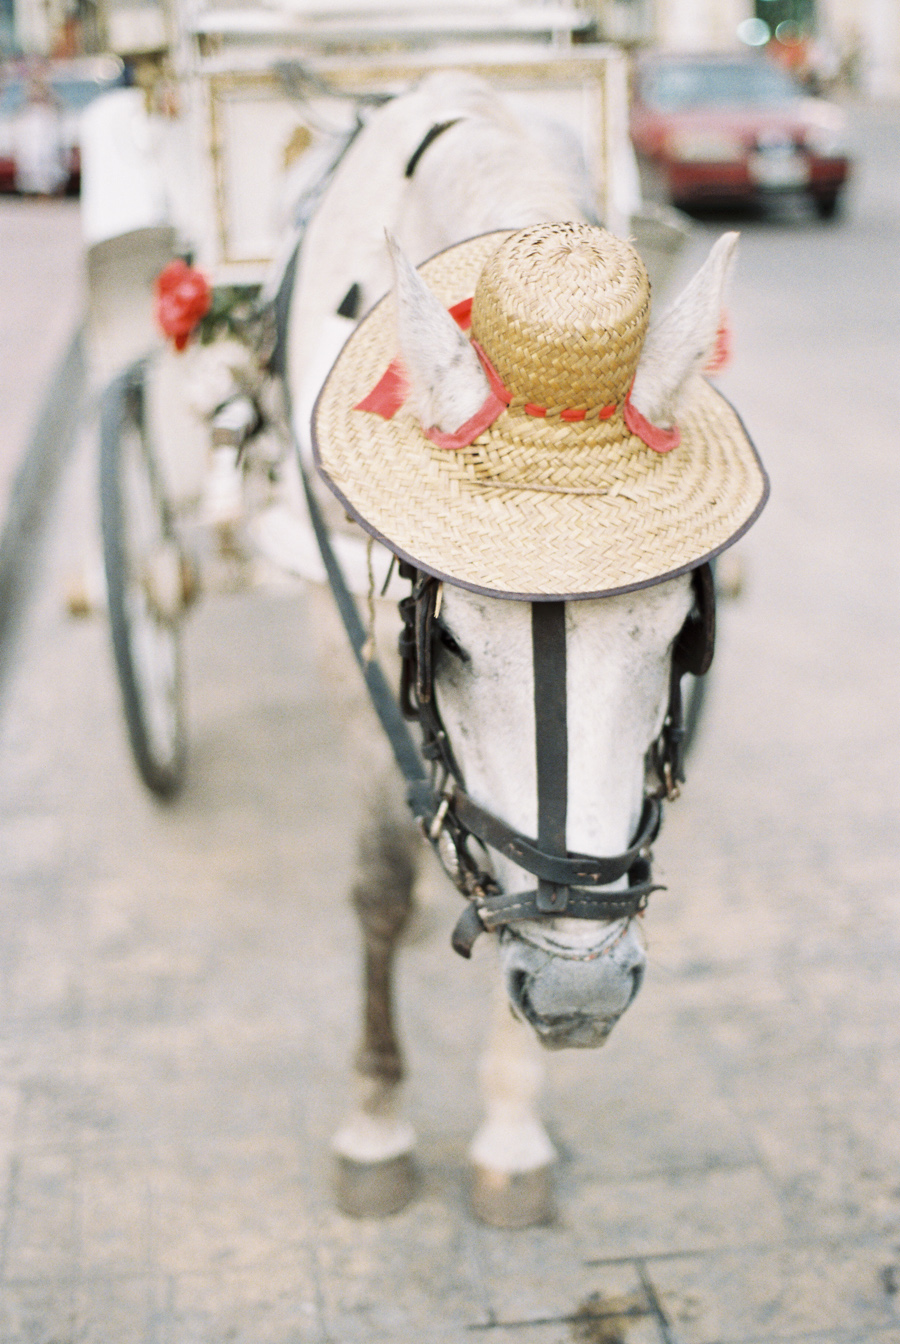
183	296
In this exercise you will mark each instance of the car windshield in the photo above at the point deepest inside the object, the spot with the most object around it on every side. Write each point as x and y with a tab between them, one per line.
677	87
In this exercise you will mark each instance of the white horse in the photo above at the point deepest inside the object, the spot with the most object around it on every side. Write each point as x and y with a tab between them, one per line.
567	980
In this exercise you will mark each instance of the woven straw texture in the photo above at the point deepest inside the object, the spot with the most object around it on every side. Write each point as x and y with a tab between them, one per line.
562	313
540	507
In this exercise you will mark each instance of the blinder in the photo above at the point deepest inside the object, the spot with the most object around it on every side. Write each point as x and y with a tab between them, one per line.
566	883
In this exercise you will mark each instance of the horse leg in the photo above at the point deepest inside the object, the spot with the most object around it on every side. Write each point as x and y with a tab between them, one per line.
374	1173
512	1156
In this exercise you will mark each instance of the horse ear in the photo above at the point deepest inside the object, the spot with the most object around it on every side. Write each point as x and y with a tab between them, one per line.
447	382
678	346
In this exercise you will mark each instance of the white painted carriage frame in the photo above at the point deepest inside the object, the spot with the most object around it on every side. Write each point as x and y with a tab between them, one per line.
242	120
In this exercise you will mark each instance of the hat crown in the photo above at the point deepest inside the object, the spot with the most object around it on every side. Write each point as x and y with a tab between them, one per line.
561	311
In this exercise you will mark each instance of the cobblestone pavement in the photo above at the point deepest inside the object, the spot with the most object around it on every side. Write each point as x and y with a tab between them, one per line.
178	985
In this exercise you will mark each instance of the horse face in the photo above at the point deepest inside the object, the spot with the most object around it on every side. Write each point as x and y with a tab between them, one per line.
571	979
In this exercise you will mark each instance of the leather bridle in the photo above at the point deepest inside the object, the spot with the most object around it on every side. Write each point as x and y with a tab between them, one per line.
569	885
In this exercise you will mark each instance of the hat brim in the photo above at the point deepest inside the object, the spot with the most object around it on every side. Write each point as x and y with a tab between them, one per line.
622	518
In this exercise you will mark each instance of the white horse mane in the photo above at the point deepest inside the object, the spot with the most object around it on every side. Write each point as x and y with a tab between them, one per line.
345	242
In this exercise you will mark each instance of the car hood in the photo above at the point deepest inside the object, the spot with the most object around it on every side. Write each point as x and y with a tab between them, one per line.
793	117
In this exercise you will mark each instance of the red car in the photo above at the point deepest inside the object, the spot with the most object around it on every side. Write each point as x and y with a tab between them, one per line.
719	129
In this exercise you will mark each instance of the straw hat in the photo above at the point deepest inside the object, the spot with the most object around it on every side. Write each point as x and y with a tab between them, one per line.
568	492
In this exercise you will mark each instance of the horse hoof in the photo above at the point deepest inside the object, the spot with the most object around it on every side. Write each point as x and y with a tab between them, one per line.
514	1198
373	1189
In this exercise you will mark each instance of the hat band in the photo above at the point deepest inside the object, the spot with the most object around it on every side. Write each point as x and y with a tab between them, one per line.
393	388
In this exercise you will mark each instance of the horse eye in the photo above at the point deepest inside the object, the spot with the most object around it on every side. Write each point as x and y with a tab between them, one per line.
451	643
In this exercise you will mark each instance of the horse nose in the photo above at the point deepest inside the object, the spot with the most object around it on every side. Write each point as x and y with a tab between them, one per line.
569	999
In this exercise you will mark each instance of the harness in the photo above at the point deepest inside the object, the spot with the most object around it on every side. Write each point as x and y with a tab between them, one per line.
568	884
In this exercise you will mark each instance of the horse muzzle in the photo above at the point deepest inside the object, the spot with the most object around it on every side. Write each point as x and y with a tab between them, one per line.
571	996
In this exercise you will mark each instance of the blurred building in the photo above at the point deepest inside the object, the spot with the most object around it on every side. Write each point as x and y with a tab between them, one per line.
857	41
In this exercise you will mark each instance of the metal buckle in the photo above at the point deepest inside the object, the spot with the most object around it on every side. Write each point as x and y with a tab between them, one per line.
673	789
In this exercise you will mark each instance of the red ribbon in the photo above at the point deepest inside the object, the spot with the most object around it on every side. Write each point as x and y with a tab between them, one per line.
389	393
392	389
660	440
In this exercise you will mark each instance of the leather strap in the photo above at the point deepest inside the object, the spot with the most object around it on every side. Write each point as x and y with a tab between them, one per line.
551	742
383	700
428	139
580	870
490	912
696	644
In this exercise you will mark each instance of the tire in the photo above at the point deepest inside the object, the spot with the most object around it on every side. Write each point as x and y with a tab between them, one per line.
145	569
827	206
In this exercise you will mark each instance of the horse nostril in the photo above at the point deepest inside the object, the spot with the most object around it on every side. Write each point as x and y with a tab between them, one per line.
637	979
517	982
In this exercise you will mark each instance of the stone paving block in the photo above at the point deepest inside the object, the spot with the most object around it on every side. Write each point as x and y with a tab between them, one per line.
539	1276
31	839
121	1308
56	1105
39	1311
41	981
777	1293
166	1082
640	1106
116	1212
42	1217
227	1204
393	1279
263	1303
675	1212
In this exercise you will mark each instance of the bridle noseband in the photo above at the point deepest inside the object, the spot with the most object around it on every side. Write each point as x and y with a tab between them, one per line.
567	884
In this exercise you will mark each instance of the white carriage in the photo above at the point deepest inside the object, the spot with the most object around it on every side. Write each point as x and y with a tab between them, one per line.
218	154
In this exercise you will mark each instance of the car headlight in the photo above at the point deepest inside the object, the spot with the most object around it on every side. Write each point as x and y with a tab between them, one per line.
705	147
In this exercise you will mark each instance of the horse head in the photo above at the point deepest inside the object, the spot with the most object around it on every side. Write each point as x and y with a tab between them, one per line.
570	978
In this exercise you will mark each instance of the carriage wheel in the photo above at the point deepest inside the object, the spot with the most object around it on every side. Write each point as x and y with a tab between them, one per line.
147	576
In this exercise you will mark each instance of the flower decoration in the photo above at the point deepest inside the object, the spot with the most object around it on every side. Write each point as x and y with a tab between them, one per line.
183	298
